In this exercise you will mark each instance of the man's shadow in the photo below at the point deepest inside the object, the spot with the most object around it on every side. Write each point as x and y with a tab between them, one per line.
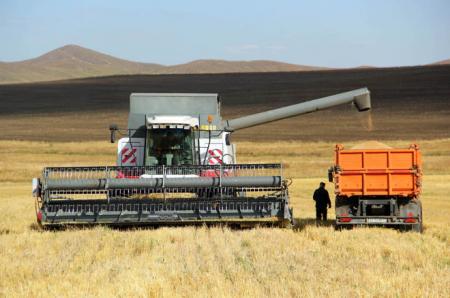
301	223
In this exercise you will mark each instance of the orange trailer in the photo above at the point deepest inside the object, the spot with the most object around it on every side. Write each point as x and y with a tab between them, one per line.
378	186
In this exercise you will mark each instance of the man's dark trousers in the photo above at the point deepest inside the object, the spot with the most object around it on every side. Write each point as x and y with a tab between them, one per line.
321	213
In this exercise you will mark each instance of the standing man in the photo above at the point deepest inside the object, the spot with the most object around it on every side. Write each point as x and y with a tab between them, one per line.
322	199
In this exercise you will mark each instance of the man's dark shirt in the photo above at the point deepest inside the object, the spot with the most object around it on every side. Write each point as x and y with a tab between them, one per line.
322	198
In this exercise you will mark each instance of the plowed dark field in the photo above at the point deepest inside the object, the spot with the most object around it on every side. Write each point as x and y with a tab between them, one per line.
409	103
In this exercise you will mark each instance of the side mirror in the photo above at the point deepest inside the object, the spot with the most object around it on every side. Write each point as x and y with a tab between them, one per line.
113	128
330	174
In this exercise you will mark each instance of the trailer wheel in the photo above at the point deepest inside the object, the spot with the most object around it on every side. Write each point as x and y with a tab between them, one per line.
339	227
342	206
419	226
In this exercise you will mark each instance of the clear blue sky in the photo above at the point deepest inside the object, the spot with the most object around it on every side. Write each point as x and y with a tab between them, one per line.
323	33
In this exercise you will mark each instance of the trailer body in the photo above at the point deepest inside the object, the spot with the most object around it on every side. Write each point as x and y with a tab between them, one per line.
378	187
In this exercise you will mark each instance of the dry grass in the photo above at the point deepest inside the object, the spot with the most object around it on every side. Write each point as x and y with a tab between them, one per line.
308	261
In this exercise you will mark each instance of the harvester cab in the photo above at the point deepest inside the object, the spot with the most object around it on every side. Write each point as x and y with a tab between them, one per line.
174	130
176	165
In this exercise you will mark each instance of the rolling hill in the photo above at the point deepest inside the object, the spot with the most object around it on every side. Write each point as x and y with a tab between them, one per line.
223	66
442	62
72	61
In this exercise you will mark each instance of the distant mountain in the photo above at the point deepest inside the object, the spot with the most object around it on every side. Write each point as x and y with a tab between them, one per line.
365	67
72	61
223	66
68	62
443	62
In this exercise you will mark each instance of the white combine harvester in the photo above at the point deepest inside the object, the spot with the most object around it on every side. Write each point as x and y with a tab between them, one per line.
176	165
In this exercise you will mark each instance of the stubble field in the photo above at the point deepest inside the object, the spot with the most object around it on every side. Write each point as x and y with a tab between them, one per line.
62	123
218	261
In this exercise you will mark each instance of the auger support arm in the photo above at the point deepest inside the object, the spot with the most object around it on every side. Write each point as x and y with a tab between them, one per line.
360	98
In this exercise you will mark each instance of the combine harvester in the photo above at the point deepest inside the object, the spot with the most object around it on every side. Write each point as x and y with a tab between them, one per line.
378	187
177	166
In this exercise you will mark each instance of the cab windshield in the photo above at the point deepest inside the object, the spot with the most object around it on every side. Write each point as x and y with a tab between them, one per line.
169	147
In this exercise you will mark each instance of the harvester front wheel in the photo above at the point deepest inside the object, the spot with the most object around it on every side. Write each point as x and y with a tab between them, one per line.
37	208
287	225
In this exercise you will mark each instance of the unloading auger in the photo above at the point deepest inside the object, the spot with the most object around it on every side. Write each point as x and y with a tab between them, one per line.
177	165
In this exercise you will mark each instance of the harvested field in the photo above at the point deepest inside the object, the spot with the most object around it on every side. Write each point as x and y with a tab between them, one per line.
409	103
61	123
183	262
